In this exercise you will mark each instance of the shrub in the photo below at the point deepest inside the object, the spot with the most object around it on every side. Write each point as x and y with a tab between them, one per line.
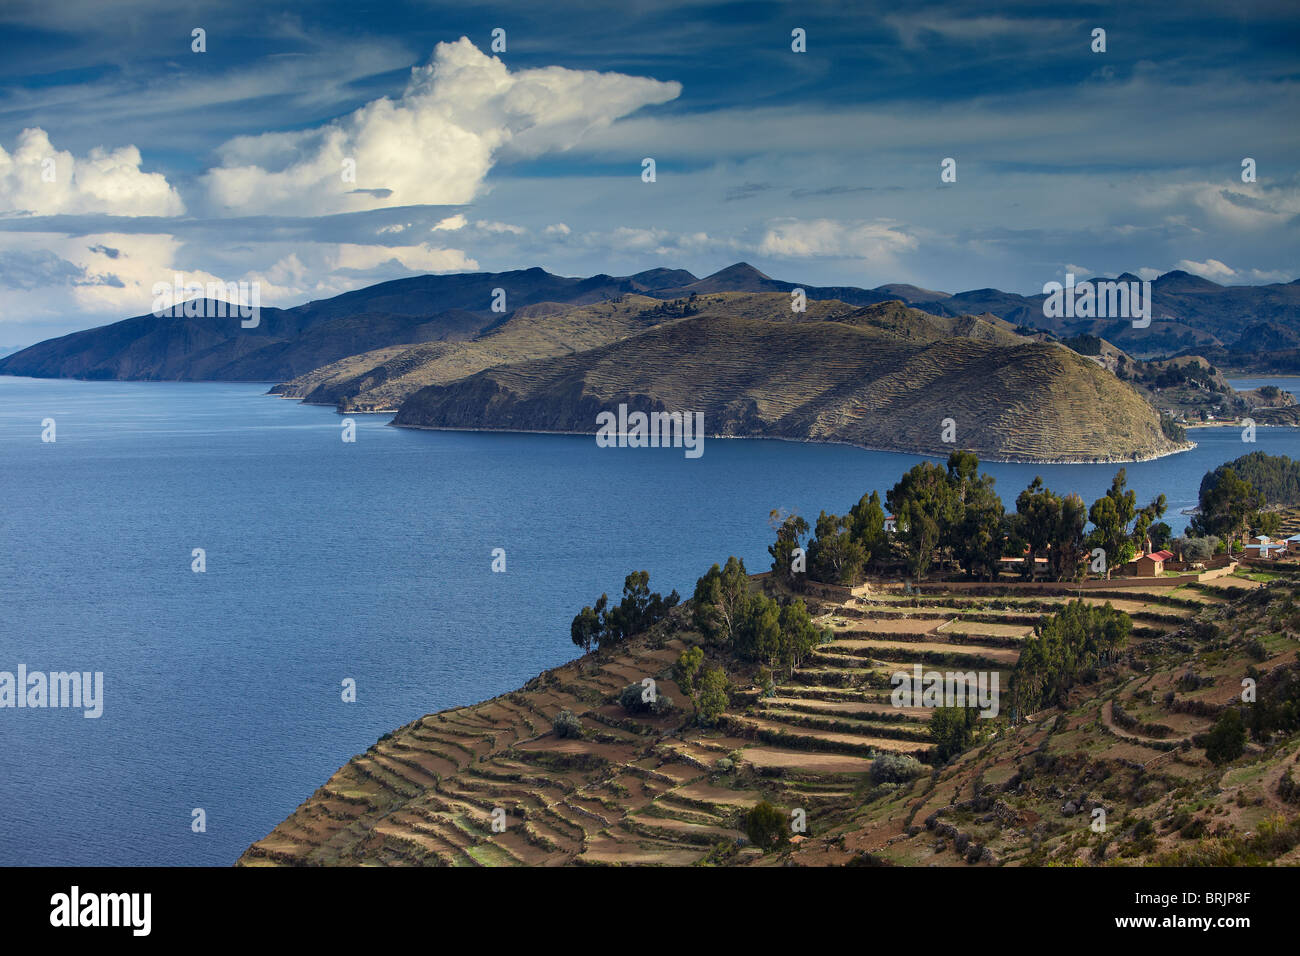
895	768
566	725
765	826
1226	741
1288	789
632	698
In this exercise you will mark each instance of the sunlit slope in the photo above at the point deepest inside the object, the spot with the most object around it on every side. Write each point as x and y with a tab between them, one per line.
884	377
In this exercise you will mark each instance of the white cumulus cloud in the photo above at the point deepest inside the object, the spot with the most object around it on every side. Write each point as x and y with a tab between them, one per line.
432	145
38	180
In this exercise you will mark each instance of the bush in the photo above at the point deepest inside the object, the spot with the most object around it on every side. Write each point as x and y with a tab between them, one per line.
1288	789
566	725
765	826
633	700
895	768
1226	741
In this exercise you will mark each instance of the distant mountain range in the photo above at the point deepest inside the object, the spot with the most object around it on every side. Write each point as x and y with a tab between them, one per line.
531	349
1190	314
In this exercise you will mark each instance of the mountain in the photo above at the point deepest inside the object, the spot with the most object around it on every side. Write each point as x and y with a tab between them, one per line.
1189	313
1267	337
882	377
382	379
290	342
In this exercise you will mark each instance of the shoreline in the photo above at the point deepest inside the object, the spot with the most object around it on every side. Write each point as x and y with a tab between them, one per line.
1189	446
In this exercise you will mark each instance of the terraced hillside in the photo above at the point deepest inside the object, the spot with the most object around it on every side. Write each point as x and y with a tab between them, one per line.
881	377
382	379
640	789
1120	776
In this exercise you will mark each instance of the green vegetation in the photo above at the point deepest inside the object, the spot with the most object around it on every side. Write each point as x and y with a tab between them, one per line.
1275	477
1083	344
953	517
639	610
1067	649
566	725
1271	839
1171	429
1111	516
791	530
834	555
1288	788
766	826
640	699
895	768
1230	506
754	626
720	599
1196	549
953	730
1047	525
687	667
707	687
1277	708
1226	741
713	699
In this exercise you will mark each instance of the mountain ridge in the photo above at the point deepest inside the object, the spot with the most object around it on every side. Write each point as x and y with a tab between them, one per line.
889	379
1187	311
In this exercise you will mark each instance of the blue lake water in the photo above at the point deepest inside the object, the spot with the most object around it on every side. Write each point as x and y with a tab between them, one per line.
328	560
1286	383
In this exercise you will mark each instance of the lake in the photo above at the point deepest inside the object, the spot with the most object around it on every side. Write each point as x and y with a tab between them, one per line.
328	561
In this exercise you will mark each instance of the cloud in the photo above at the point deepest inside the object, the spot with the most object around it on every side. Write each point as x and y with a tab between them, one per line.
433	144
28	269
557	229
38	180
450	224
1270	275
1243	207
54	282
105	275
832	238
421	258
914	29
487	225
1211	269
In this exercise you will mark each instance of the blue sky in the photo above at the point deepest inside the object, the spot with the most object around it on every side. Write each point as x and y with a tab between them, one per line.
821	167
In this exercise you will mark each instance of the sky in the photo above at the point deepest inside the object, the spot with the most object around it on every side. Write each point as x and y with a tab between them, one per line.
319	148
